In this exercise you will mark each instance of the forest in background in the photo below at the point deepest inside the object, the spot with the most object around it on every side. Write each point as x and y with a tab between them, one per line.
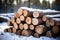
9	6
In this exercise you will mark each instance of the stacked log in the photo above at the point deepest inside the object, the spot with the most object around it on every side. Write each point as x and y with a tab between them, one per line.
31	27
27	23
48	34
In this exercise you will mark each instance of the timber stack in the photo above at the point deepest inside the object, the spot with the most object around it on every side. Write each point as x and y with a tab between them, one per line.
34	23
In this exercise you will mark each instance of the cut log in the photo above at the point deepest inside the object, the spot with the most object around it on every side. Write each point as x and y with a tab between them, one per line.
55	29
36	35
52	22
25	33
35	14
28	20
12	20
30	14
49	34
22	18
36	21
18	21
39	29
18	32
21	26
40	21
15	25
14	30
48	23
25	26
31	27
16	15
9	30
31	32
25	13
57	23
20	11
44	18
45	30
41	14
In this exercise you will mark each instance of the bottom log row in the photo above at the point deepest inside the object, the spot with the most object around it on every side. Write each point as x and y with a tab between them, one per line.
37	32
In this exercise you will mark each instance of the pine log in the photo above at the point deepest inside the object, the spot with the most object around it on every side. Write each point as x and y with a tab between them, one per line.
25	26
18	21
36	35
25	13
25	33
39	29
31	27
44	18
16	15
28	20
49	34
35	14
55	29
21	26
15	25
57	23
36	21
9	30
19	32
52	22
22	18
14	30
20	11
48	23
12	20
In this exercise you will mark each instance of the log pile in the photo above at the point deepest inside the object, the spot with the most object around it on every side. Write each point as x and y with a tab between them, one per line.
27	23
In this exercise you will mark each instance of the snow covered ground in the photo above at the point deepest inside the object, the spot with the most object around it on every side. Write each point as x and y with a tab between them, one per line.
11	36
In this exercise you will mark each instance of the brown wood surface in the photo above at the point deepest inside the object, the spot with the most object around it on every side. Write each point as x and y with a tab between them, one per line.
44	18
22	18
19	32
49	34
15	25
55	29
31	27
18	21
16	15
36	35
14	30
21	26
25	26
48	23
20	11
39	29
35	14
52	22
28	20
25	13
25	33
